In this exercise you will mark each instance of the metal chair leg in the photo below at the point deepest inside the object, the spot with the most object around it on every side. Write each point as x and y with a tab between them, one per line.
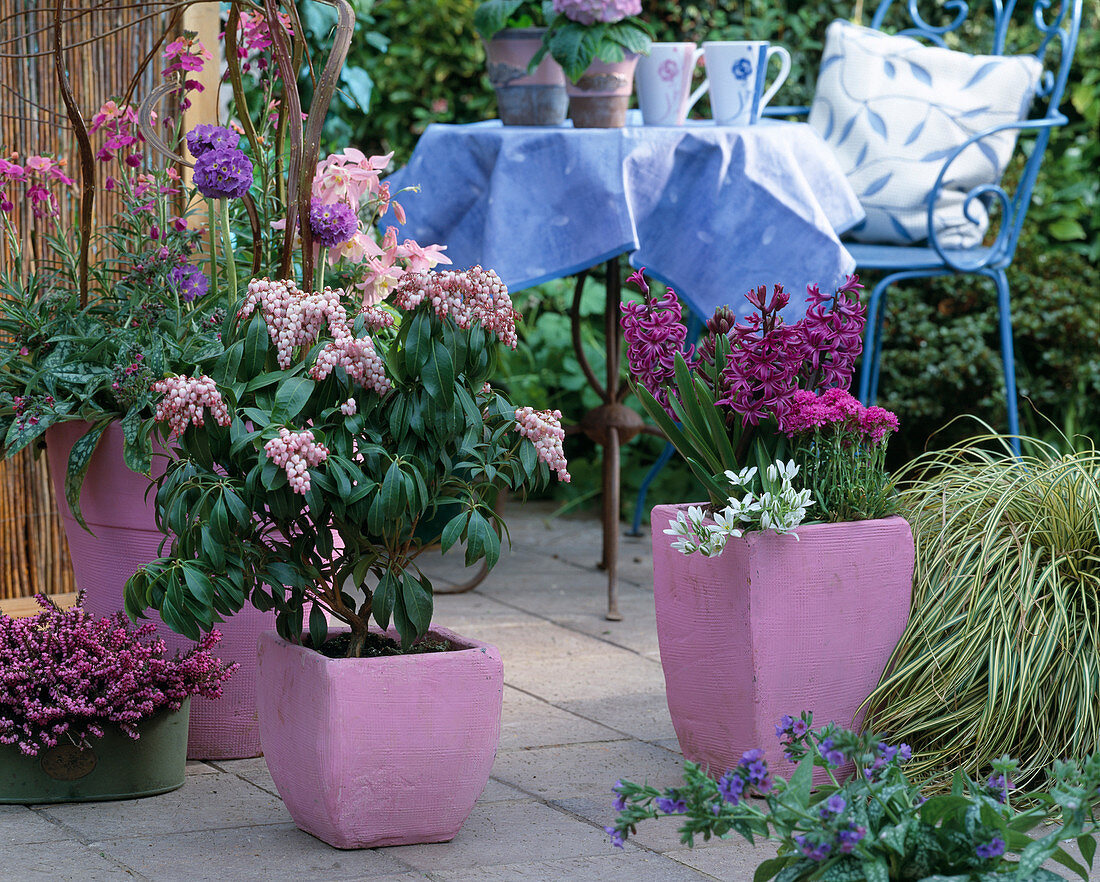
1004	310
651	475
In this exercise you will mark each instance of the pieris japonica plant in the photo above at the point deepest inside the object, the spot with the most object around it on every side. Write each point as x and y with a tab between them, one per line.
876	825
317	448
760	406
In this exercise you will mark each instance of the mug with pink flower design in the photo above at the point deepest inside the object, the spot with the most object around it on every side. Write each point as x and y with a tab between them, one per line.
663	81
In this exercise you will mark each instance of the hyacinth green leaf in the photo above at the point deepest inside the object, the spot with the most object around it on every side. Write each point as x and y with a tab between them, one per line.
80	457
318	626
384	598
694	419
719	434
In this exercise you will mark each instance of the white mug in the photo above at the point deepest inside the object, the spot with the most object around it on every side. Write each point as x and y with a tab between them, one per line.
735	77
663	81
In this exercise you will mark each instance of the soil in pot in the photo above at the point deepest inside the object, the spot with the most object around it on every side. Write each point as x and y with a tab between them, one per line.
379	645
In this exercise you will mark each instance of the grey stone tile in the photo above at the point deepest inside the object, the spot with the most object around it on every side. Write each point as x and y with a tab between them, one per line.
19	825
592	671
733	860
615	867
254	771
205	802
507	833
60	862
498	791
586	770
199	767
272	854
469	613
531	722
643	715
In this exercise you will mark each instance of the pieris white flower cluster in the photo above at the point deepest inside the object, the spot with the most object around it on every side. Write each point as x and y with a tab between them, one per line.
781	510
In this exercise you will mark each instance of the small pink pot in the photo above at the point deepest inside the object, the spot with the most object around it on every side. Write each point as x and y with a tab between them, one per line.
775	626
121	516
600	98
370	752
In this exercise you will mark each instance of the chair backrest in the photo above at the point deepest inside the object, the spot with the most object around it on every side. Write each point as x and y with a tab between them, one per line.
1052	29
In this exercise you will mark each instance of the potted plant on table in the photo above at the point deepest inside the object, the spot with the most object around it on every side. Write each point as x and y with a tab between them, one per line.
759	609
513	31
94	709
878	825
597	43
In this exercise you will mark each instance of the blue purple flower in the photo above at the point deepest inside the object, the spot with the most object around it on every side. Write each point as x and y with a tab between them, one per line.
190	281
672	804
204	138
732	787
223	173
998	786
992	849
616	835
815	850
332	224
620	797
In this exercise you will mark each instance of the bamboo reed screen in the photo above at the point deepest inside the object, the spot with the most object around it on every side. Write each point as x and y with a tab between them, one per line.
109	41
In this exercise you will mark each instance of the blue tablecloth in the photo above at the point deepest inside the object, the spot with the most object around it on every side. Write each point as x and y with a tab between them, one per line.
711	210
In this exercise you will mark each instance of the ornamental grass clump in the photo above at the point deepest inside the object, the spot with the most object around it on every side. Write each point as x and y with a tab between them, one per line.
1002	650
65	676
758	403
879	824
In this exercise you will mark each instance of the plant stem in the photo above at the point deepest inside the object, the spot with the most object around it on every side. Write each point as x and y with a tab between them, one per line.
319	271
213	249
230	260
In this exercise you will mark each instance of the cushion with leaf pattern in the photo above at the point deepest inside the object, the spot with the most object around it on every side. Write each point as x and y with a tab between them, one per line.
894	109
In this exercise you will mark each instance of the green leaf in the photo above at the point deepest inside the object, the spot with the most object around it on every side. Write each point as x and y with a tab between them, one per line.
318	626
1087	844
439	375
574	45
80	457
801	781
416	608
492	15
418	342
452	532
385	596
255	347
1066	229
769	868
198	584
292	395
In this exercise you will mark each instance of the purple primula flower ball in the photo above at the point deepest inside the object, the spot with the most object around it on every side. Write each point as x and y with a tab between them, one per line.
204	138
190	281
332	224
223	173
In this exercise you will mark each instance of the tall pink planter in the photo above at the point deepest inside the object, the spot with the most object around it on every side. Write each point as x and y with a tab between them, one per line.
125	538
380	751
776	626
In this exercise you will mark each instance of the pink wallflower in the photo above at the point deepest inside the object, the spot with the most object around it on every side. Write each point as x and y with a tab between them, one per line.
543	429
120	125
254	39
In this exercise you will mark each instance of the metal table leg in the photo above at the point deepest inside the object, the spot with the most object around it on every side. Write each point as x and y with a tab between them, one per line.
610	425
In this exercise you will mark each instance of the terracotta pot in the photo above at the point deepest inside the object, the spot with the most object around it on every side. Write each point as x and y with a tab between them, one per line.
600	98
121	516
112	767
525	99
775	626
380	751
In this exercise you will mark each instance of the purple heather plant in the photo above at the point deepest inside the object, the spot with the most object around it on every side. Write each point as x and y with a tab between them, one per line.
65	676
876	824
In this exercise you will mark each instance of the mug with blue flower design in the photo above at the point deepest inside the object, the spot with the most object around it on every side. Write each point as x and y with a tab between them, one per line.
736	70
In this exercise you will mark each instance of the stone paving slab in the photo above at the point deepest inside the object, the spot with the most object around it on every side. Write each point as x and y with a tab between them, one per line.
636	867
20	825
532	722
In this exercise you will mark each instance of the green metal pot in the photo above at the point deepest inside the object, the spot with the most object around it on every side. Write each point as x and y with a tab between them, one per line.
112	767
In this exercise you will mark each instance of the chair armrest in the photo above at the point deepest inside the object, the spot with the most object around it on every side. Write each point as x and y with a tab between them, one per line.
1011	210
786	111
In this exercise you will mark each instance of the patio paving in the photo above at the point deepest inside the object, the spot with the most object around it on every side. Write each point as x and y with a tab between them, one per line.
584	705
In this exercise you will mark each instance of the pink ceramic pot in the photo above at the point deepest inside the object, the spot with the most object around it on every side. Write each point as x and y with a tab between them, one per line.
776	626
525	99
600	98
380	751
121	517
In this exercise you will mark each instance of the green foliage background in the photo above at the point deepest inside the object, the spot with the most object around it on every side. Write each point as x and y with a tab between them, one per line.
941	357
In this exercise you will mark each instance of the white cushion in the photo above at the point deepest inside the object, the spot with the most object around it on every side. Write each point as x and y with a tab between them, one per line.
893	110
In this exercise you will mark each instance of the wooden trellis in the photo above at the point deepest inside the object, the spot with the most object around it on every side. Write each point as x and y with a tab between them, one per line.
109	40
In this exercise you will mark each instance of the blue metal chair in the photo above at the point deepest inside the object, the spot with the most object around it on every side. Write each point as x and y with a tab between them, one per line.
924	261
901	262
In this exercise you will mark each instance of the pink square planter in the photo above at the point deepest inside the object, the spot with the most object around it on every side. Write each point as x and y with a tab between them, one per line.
124	538
776	626
380	751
